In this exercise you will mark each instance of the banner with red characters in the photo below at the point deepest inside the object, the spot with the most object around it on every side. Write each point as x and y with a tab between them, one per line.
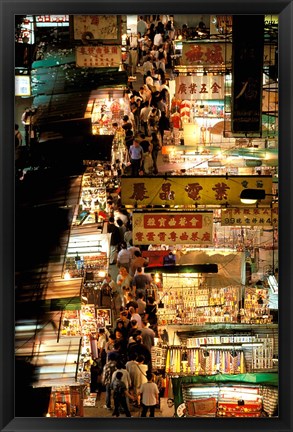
173	227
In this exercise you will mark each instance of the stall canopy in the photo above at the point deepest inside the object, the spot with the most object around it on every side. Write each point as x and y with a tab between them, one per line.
264	379
195	268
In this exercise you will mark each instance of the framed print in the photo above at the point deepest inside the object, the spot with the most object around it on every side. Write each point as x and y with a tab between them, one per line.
103	317
194	102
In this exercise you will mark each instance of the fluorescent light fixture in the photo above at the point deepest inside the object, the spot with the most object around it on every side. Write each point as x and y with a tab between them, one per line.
252	344
272	281
251	196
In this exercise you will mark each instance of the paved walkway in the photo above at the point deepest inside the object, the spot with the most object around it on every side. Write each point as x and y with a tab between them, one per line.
99	411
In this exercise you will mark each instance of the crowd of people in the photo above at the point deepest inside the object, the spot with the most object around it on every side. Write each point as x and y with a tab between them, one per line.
124	362
150	54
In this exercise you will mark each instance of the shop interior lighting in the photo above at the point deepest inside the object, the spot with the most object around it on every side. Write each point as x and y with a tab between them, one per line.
225	347
252	344
273	284
67	275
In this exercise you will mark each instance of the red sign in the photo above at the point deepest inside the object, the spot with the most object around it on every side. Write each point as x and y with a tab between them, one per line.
173	227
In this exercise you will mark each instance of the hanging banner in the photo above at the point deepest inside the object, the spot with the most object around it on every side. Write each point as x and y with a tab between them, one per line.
206	54
170	228
250	216
199	87
53	19
247	72
193	190
96	27
98	56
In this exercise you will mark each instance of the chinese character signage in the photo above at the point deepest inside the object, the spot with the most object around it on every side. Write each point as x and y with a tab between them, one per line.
170	228
206	54
52	19
247	73
250	216
22	85
98	56
199	87
96	27
194	190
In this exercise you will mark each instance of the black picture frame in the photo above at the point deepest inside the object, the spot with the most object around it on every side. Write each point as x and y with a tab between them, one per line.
8	9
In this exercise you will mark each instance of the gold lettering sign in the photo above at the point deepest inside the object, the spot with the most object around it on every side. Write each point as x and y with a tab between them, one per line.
195	190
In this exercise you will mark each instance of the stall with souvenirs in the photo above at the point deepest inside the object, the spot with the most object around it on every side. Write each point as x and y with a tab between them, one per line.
106	108
66	401
208	331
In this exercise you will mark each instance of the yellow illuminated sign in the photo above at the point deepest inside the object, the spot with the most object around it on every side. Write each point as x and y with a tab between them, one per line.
193	190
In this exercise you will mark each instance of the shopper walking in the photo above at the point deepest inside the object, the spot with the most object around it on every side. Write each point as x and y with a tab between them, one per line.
148	335
136	157
149	396
123	257
141	26
155	151
108	370
115	239
144	113
119	395
140	283
124	279
137	371
163	125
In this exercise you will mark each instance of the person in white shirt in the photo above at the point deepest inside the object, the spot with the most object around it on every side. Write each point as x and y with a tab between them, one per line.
124	257
144	113
147	67
101	345
149	80
135	316
133	53
158	39
149	396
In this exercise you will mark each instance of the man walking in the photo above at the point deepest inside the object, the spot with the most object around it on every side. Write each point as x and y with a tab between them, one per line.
136	156
149	396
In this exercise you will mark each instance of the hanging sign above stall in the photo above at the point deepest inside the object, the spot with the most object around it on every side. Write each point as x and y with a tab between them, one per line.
204	54
216	54
193	190
96	27
200	87
250	216
170	228
98	56
247	74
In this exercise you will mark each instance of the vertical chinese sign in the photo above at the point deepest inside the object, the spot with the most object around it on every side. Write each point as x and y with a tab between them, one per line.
247	72
170	228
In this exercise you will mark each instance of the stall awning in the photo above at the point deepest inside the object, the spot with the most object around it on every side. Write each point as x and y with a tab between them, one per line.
268	379
173	269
